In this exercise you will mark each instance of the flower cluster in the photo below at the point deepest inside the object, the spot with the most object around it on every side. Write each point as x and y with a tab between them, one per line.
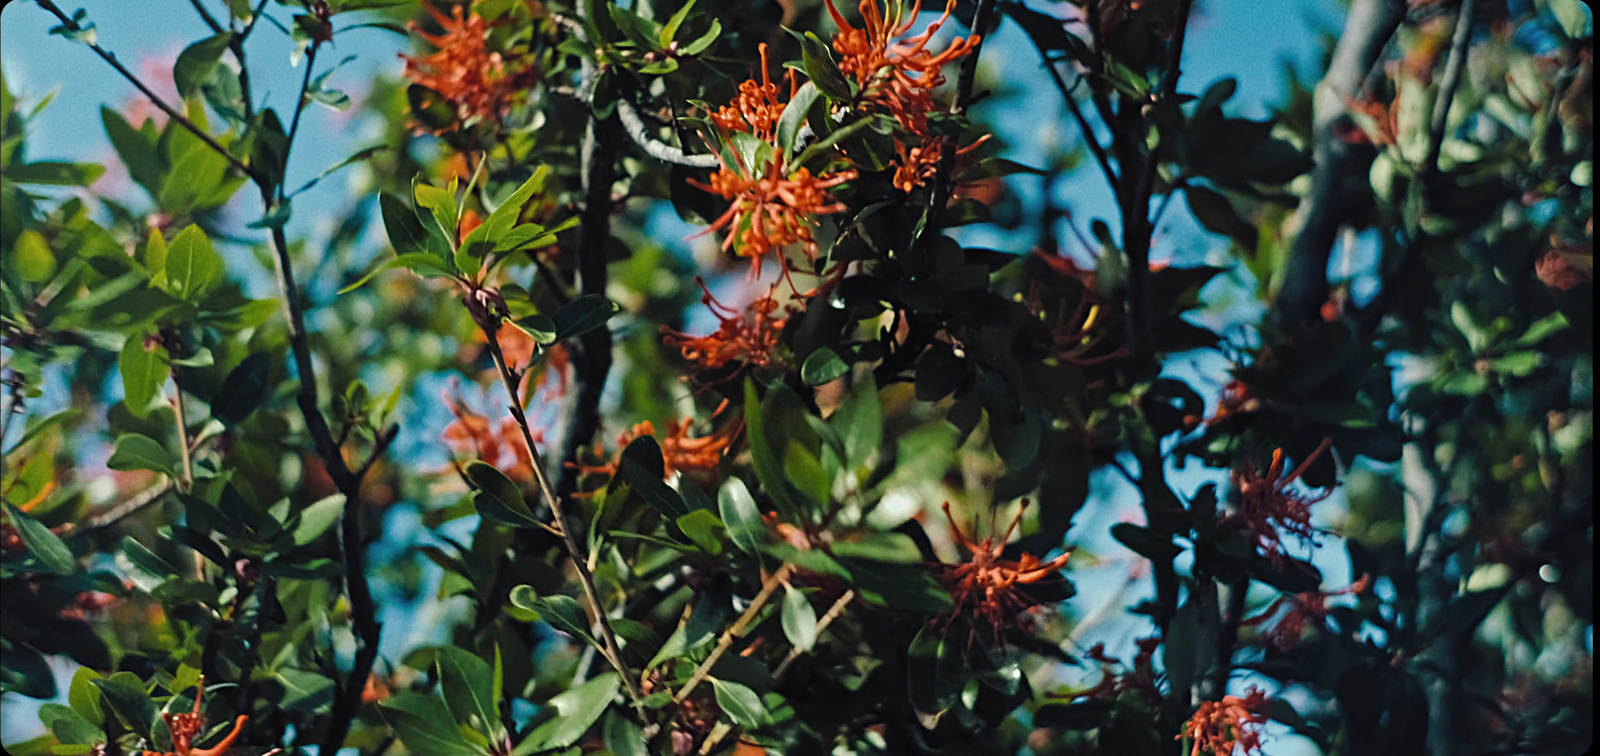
898	77
746	339
680	452
472	434
476	82
1140	678
184	727
1268	507
772	204
985	590
1303	608
1218	728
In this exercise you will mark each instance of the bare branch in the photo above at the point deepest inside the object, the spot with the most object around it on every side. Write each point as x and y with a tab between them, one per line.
666	153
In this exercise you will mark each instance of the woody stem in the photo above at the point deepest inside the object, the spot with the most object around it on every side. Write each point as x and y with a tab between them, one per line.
608	637
736	631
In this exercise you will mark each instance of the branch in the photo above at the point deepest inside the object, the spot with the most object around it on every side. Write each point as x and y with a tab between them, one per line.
178	118
206	16
608	637
822	624
1459	40
138	502
735	631
1367	30
666	153
943	181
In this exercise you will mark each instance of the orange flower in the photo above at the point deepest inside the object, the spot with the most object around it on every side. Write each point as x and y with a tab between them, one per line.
919	164
984	590
1303	607
471	433
899	76
679	451
1141	678
1236	399
184	727
1218	728
771	205
745	338
1267	506
478	83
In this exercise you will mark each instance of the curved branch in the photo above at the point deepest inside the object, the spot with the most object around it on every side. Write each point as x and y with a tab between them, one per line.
1366	35
666	153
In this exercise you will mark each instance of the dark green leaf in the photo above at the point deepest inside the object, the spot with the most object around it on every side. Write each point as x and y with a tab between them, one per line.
822	366
740	703
196	62
498	499
799	619
423	724
468	686
583	315
741	515
43	544
243	390
576	711
135	452
125	694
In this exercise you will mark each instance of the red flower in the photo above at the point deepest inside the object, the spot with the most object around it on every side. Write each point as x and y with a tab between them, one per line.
679	451
184	728
1268	508
1303	608
985	588
744	338
1218	728
898	76
478	83
470	433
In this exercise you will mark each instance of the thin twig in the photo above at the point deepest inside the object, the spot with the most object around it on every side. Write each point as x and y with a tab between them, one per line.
134	504
182	423
206	16
608	637
1453	66
176	117
822	624
735	631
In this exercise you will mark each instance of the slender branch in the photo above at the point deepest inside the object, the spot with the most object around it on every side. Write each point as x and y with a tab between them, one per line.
1089	138
184	448
666	153
1453	66
299	108
133	505
944	180
176	117
735	631
822	624
206	16
608	636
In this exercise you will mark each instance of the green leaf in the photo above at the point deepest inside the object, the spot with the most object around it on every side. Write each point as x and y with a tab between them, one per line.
498	498
583	315
196	62
125	694
136	150
890	548
504	218
702	42
420	263
541	328
144	568
31	256
1145	542
133	451
24	670
468	686
442	203
794	116
741	516
642	468
424	725
704	529
576	711
799	619
193	266
43	544
243	390
859	421
740	703
769	469
83	696
55	173
822	366
622	737
317	518
526	599
406	234
144	371
821	68
69	726
305	691
670	29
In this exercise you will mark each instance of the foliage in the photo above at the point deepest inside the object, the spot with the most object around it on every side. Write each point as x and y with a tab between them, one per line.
764	574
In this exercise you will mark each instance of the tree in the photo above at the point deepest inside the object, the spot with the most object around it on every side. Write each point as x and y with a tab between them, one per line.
841	512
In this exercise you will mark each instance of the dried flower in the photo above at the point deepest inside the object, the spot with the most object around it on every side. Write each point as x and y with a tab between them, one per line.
985	588
1268	508
1303	608
478	83
1218	728
745	338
